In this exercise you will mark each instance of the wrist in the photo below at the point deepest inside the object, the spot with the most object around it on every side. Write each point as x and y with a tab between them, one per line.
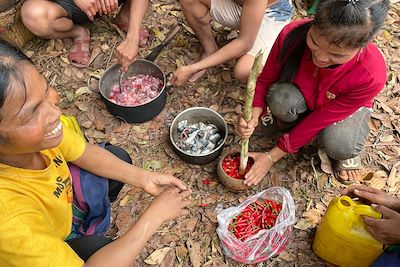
269	158
148	215
276	154
132	36
257	111
193	68
395	204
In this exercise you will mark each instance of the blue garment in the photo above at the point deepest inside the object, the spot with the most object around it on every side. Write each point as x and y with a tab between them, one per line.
91	205
281	11
388	260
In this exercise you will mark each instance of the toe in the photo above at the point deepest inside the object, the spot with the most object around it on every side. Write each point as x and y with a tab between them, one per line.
343	175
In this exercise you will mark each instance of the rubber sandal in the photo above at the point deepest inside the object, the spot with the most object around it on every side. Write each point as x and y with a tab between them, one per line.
346	165
79	56
143	33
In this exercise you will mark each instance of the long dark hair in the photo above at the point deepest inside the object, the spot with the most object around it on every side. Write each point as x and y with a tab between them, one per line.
348	23
11	69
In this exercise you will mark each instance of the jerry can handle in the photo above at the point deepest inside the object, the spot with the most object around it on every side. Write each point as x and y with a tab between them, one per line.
366	210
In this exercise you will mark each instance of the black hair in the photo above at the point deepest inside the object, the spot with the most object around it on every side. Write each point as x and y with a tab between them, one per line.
11	69
346	23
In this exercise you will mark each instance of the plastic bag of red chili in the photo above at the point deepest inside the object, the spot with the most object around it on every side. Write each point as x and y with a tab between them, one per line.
259	228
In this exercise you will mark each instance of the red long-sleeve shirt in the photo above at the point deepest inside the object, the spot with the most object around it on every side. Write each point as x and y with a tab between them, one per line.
330	94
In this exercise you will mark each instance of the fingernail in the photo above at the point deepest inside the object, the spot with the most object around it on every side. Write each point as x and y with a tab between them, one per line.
184	187
356	191
374	205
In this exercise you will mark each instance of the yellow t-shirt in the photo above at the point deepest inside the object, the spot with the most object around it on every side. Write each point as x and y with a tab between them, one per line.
36	209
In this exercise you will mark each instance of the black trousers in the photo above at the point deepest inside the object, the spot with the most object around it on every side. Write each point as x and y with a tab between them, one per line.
86	246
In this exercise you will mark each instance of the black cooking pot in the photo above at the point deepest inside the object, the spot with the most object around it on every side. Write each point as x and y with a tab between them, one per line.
194	115
140	113
144	112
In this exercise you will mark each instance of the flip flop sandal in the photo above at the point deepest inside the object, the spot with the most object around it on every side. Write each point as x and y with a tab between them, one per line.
80	57
143	33
346	165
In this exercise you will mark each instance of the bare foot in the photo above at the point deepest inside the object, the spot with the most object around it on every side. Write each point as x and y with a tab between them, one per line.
349	175
123	23
199	74
79	54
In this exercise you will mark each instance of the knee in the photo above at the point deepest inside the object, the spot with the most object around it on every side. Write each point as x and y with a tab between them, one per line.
339	146
340	151
35	17
285	101
240	73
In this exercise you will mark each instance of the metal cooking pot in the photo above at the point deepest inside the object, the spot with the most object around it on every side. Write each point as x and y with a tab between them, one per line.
194	115
131	114
144	112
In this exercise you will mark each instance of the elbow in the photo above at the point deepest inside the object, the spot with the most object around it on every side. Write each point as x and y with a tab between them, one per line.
246	45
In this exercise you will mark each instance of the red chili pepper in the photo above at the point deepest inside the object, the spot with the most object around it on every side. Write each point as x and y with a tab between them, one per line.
206	182
231	166
255	217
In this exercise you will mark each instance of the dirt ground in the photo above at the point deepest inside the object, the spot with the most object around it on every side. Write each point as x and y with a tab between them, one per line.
192	240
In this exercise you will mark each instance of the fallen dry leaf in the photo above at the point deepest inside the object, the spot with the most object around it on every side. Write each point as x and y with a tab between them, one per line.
387	138
285	256
304	224
82	90
169	259
124	201
194	253
313	215
157	256
153	165
181	253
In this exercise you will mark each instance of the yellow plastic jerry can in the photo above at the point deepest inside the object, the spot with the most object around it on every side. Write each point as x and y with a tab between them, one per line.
341	237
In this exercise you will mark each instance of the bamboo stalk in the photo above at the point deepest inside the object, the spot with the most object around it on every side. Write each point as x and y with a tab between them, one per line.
248	106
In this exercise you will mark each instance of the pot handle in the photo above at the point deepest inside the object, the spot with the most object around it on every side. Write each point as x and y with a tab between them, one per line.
168	86
167	117
90	87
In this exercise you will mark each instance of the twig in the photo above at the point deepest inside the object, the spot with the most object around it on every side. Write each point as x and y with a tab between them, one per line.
111	54
315	170
383	144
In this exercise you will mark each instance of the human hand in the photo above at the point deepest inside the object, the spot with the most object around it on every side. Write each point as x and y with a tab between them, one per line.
181	75
127	53
156	183
89	7
108	6
245	129
170	204
372	195
385	230
262	165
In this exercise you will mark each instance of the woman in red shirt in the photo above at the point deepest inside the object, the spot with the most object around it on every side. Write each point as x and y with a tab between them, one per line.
320	80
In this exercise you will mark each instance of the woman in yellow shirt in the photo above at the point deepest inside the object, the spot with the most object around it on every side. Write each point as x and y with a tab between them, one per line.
36	185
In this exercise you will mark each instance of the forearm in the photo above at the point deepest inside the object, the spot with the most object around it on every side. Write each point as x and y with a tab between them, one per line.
103	163
232	50
124	250
138	10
